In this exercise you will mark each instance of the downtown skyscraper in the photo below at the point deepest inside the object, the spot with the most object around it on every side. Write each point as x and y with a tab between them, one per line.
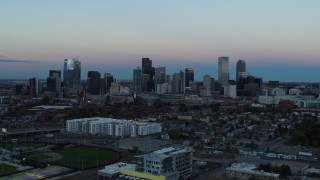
72	73
189	76
137	80
148	73
223	70
241	67
93	82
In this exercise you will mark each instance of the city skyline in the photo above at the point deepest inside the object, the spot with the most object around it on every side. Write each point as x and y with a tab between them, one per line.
278	37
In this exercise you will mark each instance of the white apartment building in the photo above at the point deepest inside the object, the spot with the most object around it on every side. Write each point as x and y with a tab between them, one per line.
112	127
274	96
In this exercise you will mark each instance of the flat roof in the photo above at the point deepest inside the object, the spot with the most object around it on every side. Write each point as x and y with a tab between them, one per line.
250	168
115	168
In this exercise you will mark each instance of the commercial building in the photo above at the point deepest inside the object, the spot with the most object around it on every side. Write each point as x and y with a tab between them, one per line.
247	171
111	171
164	88
175	162
160	74
148	72
178	83
241	68
230	90
208	84
93	82
54	81
33	87
71	73
142	144
112	127
137	80
223	70
189	76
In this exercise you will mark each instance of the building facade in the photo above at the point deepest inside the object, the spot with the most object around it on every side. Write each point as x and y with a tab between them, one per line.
149	72
93	82
137	80
241	67
112	127
176	160
189	76
223	70
71	73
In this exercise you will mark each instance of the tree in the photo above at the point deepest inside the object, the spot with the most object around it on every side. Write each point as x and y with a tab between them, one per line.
175	133
285	171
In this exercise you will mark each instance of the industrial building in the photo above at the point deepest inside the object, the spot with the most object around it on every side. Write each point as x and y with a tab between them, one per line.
246	171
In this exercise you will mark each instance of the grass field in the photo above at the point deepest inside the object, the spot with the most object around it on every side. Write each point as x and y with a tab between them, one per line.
77	158
6	169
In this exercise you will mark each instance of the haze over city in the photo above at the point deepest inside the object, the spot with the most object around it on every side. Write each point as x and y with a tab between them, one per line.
112	36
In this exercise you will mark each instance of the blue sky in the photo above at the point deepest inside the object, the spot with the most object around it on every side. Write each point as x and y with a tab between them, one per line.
278	39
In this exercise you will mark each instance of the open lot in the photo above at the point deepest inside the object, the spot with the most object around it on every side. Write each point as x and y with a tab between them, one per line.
76	157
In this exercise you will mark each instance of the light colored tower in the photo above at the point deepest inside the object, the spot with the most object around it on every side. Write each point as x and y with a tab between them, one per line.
207	84
137	80
241	67
223	70
160	75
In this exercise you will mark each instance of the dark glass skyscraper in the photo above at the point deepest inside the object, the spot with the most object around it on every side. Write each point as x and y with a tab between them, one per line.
93	83
189	76
147	69
54	81
71	73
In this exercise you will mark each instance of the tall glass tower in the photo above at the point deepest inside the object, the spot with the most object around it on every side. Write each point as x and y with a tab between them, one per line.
137	80
223	70
71	73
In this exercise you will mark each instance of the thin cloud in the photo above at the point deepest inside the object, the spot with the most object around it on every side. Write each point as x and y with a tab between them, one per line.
18	61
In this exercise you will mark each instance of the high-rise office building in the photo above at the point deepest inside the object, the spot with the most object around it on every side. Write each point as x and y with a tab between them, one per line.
147	69
160	74
182	85
93	82
137	80
103	86
109	79
54	81
178	82
33	87
189	76
223	70
55	73
241	67
207	85
72	73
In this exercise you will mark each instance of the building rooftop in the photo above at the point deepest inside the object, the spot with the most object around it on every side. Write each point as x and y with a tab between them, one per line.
250	168
115	168
169	151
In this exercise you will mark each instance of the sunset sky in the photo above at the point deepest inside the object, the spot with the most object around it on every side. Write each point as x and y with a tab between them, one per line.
279	39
